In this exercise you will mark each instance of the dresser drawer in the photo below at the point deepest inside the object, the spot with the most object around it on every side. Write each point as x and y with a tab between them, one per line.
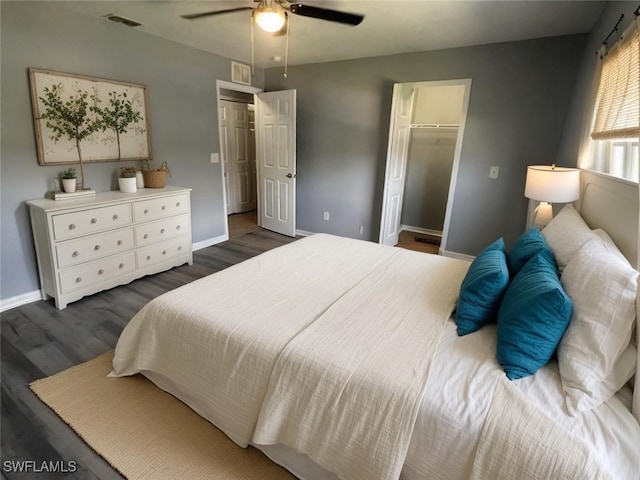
81	276
163	251
156	231
160	207
96	246
76	224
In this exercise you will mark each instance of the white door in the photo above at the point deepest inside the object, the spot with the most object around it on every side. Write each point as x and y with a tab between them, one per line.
276	159
236	152
399	135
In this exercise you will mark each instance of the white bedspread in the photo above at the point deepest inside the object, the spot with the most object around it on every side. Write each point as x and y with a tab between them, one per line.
213	343
346	390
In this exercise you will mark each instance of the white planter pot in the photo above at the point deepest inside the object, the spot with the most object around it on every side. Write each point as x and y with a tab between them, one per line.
127	185
69	184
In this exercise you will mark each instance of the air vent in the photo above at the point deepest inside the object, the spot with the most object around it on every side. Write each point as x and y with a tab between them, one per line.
118	19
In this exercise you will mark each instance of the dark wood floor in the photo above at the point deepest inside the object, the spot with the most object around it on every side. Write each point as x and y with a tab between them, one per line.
38	340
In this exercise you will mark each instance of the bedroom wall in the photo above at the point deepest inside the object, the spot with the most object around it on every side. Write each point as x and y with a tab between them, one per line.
520	95
181	85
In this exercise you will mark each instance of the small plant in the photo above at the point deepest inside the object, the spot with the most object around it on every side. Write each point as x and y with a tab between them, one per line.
68	174
128	172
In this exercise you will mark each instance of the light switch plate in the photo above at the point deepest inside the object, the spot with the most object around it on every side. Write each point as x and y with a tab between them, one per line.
215	158
494	172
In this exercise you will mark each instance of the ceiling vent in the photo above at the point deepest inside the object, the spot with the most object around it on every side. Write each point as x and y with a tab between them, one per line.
118	19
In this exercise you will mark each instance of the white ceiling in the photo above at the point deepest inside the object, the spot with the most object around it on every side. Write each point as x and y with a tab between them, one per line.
389	26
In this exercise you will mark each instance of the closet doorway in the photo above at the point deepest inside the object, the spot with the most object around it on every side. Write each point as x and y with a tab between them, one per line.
425	138
238	155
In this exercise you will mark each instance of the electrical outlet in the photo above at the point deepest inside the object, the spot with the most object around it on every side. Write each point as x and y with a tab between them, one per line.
326	215
361	231
494	172
214	158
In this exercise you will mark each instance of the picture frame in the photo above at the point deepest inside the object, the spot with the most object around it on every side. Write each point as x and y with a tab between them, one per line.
240	73
109	121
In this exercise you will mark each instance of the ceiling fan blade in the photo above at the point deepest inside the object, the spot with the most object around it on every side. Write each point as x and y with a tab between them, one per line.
326	14
193	16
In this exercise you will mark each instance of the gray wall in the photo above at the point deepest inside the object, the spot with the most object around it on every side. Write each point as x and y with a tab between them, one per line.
181	84
520	95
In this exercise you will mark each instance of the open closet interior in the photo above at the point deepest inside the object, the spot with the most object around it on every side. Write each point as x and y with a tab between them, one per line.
437	112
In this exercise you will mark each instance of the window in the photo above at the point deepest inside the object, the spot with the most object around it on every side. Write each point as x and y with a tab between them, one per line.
617	157
616	122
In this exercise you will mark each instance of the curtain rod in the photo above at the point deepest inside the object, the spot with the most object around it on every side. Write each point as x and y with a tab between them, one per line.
602	50
615	29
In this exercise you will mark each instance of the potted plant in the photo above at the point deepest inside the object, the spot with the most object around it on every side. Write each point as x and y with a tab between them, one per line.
69	179
127	180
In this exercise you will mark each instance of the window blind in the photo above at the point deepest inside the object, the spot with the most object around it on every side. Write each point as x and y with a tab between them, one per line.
617	110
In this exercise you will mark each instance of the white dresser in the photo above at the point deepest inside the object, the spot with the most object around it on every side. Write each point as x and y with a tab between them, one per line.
95	243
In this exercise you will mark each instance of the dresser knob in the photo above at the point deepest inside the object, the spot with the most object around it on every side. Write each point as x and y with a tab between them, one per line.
146	210
72	227
148	257
146	235
178	227
180	248
164	252
119	242
121	266
162	230
115	217
96	248
75	254
94	220
178	204
100	272
78	279
164	207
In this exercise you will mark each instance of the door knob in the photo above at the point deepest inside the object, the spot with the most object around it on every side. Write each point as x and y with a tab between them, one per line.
290	175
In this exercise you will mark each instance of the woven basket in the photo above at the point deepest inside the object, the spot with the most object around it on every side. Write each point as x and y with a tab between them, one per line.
155	178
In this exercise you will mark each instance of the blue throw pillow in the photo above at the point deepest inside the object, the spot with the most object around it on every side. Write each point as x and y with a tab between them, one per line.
482	289
526	247
532	318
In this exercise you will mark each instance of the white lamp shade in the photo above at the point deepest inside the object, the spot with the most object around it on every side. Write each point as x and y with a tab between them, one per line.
548	183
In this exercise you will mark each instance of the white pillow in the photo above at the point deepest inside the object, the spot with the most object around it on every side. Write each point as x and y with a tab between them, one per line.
595	355
565	234
610	245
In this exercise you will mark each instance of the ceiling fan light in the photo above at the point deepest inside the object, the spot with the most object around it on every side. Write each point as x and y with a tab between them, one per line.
270	19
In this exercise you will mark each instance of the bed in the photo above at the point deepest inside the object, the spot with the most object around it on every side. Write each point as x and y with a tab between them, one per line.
347	362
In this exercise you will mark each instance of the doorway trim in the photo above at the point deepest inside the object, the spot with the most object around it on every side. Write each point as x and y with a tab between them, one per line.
466	82
225	85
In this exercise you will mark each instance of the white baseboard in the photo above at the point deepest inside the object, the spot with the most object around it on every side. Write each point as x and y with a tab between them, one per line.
209	242
461	256
426	231
304	233
18	300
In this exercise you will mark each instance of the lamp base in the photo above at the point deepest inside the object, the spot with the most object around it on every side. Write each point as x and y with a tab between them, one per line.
543	215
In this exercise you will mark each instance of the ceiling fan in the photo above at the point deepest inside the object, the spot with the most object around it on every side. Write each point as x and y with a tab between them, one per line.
271	15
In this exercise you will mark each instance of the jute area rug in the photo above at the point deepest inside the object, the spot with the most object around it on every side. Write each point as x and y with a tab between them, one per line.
144	432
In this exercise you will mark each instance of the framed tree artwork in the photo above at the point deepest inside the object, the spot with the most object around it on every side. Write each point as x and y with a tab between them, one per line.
80	119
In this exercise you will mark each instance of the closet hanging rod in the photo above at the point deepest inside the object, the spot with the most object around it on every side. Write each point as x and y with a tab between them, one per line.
434	125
